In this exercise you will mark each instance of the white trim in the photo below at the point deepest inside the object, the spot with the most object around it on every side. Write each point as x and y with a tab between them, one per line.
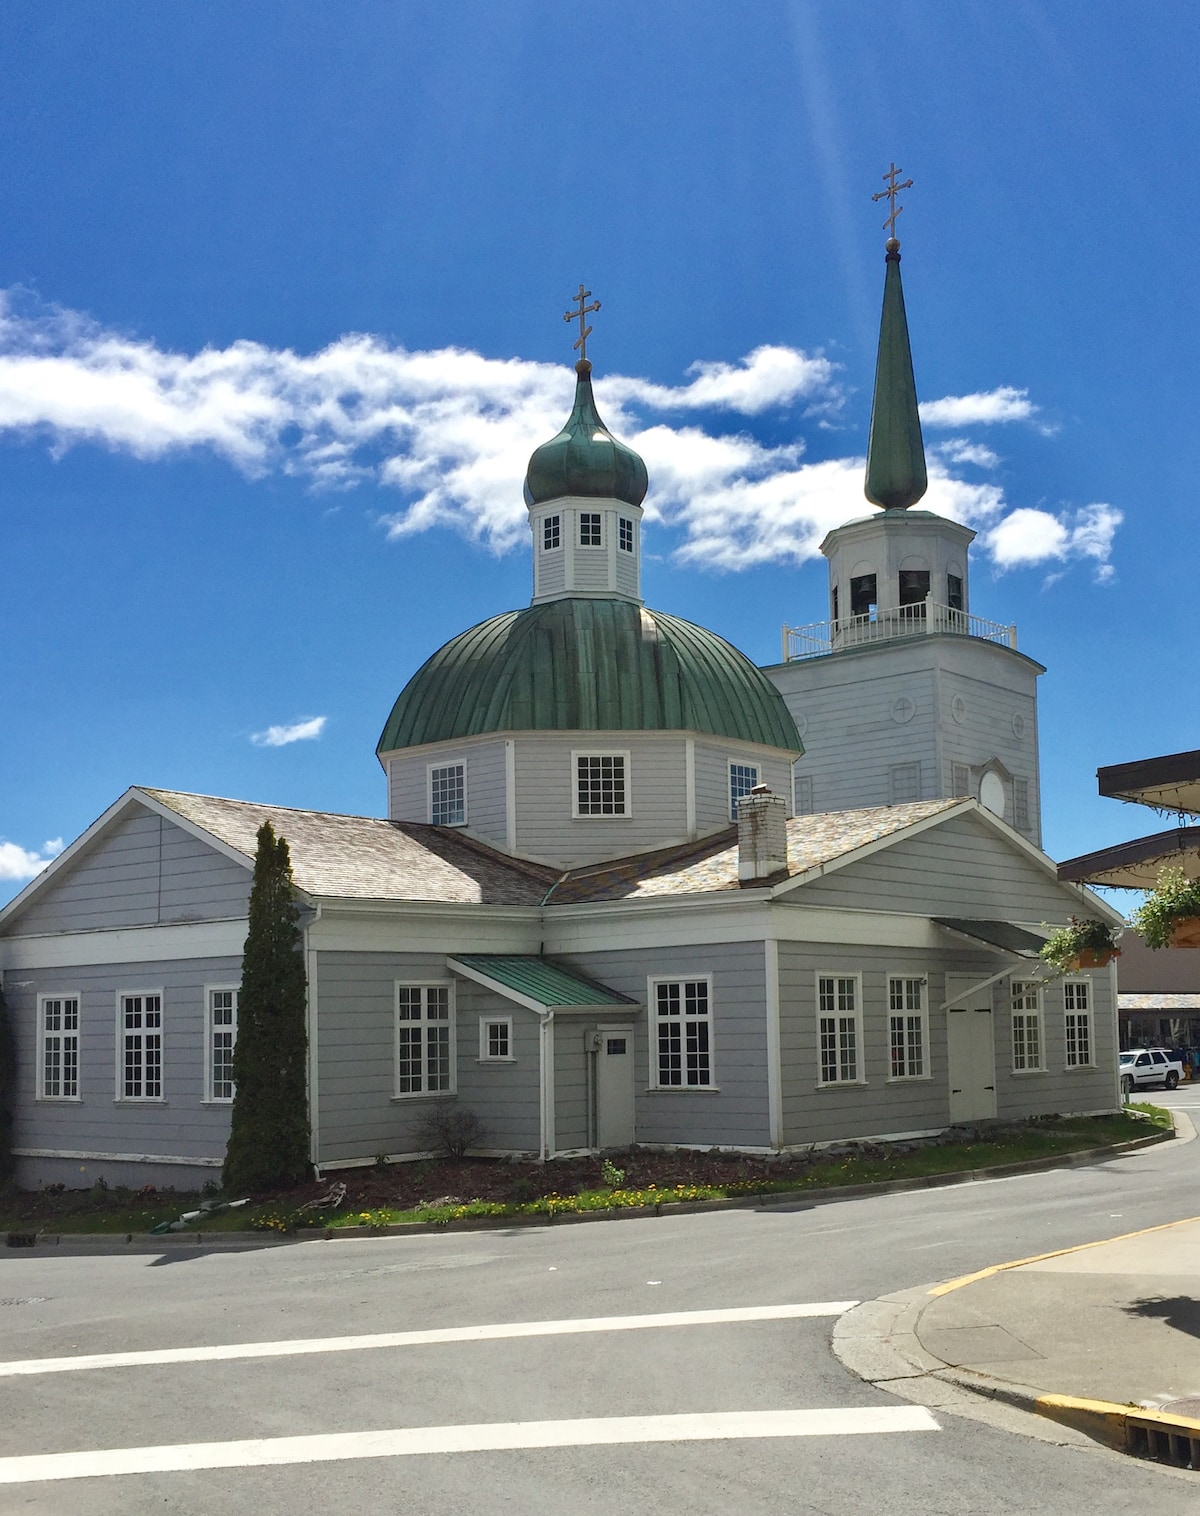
42	1033
430	769
207	1096
451	1024
546	1083
485	1023
137	944
689	784
923	977
625	755
655	1084
774	1054
859	1050
88	1153
119	1096
510	794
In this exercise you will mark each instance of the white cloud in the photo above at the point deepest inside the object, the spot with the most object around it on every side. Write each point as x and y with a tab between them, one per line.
18	863
450	433
1002	404
280	736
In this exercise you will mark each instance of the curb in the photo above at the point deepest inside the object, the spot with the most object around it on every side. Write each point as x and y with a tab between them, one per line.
822	1196
1127	1428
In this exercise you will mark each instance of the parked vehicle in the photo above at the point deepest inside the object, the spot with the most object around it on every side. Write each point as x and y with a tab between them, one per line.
1141	1067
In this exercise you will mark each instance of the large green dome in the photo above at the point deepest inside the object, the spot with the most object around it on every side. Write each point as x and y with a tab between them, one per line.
588	665
585	458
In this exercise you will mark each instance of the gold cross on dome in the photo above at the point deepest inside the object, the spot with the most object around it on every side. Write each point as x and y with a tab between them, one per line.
889	195
582	313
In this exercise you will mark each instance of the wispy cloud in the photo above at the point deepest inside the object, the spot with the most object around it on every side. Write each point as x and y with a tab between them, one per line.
281	736
450	432
17	863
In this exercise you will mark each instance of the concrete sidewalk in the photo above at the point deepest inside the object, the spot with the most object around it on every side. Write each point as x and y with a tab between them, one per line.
1104	1326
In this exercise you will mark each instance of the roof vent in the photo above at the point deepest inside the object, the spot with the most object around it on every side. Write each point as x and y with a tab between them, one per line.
762	835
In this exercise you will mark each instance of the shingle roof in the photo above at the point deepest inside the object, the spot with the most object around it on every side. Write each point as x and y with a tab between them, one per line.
712	864
365	858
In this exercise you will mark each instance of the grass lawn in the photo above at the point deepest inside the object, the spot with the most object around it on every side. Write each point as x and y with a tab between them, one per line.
443	1192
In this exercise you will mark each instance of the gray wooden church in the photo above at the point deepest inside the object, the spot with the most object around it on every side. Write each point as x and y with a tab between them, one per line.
630	887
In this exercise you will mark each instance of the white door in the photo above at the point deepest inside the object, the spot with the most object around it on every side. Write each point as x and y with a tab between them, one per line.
971	1051
614	1087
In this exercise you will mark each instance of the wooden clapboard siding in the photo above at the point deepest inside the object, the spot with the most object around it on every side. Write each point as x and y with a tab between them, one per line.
483	770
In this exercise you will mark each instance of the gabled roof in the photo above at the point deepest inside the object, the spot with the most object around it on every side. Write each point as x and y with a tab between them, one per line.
539	983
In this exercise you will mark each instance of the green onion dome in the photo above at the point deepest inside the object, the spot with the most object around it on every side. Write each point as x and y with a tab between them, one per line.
588	665
585	458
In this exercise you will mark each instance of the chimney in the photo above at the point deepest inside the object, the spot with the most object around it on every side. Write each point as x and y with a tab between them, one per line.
762	835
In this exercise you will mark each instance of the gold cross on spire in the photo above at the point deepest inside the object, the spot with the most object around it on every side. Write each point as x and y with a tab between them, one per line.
585	330
889	195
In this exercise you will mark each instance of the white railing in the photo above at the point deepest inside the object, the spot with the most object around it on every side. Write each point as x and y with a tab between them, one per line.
920	620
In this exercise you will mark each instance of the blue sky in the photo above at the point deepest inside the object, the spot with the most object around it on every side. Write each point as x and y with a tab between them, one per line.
284	288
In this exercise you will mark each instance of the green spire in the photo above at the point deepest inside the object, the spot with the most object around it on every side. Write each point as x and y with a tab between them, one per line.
896	475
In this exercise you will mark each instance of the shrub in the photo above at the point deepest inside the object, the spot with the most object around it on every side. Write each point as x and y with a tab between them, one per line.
1066	944
1173	899
449	1130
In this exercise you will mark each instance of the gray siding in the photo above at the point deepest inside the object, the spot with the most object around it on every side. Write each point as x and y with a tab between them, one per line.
712	779
571	1075
982	727
1057	1089
960	868
483	764
142	871
181	1125
735	1114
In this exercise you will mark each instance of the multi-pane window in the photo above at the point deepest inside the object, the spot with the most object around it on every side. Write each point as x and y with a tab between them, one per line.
960	779
802	795
625	534
495	1038
448	795
551	533
141	1047
222	1034
906	1027
954	592
742	779
60	1048
904	783
1021	804
838	1028
600	784
683	1034
423	1039
1078	1008
1026	1025
589	529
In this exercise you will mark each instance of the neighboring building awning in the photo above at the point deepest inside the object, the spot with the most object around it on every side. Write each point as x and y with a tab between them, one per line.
539	984
1171	782
1136	865
1004	935
1158	1003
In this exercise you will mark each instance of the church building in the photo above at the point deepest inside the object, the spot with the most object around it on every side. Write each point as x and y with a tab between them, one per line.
630	887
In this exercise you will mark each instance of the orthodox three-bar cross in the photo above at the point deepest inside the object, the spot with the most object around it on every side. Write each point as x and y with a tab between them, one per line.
582	313
889	195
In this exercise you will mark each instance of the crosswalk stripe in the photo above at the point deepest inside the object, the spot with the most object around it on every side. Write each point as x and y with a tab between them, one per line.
485	1437
490	1333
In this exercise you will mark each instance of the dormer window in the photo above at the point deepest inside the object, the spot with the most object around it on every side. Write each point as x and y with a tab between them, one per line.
551	533
625	534
589	529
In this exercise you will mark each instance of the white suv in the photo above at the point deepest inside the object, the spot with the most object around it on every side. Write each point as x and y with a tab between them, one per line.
1144	1066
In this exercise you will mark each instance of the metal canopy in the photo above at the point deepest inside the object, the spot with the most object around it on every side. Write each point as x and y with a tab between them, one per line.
1171	782
1004	935
539	983
1136	865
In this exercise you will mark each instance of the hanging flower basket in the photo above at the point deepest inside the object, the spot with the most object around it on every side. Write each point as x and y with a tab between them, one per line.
1186	932
1096	958
1086	944
1170	914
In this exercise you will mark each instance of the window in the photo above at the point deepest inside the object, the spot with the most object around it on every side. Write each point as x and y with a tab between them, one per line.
495	1039
1026	1025
448	795
802	795
1021	804
742	779
1077	1004
625	534
141	1047
863	597
600	784
222	1034
838	1028
589	529
551	533
906	1027
954	592
59	1068
914	587
904	783
960	779
682	1034
424	1064
833	603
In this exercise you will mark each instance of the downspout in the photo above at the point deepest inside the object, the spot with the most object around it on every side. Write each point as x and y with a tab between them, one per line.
546	1058
310	970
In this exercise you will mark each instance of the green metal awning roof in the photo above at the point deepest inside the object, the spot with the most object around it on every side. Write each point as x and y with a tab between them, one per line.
1004	935
540	983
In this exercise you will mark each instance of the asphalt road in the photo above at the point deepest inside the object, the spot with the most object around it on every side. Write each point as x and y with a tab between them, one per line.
552	1418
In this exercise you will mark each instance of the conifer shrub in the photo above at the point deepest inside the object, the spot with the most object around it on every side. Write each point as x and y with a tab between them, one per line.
269	1132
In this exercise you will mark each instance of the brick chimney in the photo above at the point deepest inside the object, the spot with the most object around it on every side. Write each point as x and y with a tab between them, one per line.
762	835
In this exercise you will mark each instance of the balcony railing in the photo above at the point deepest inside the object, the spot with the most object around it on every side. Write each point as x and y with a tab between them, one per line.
920	620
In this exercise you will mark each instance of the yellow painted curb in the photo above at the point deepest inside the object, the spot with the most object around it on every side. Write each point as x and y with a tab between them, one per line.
1128	1428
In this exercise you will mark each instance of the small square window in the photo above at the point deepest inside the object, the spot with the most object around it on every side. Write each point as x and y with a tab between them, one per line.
600	784
551	533
448	795
625	535
589	529
495	1039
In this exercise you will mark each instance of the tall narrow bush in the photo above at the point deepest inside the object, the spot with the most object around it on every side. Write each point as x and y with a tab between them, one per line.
269	1136
8	1094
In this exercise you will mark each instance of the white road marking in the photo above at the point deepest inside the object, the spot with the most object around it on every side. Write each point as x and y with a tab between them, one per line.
485	1437
501	1330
